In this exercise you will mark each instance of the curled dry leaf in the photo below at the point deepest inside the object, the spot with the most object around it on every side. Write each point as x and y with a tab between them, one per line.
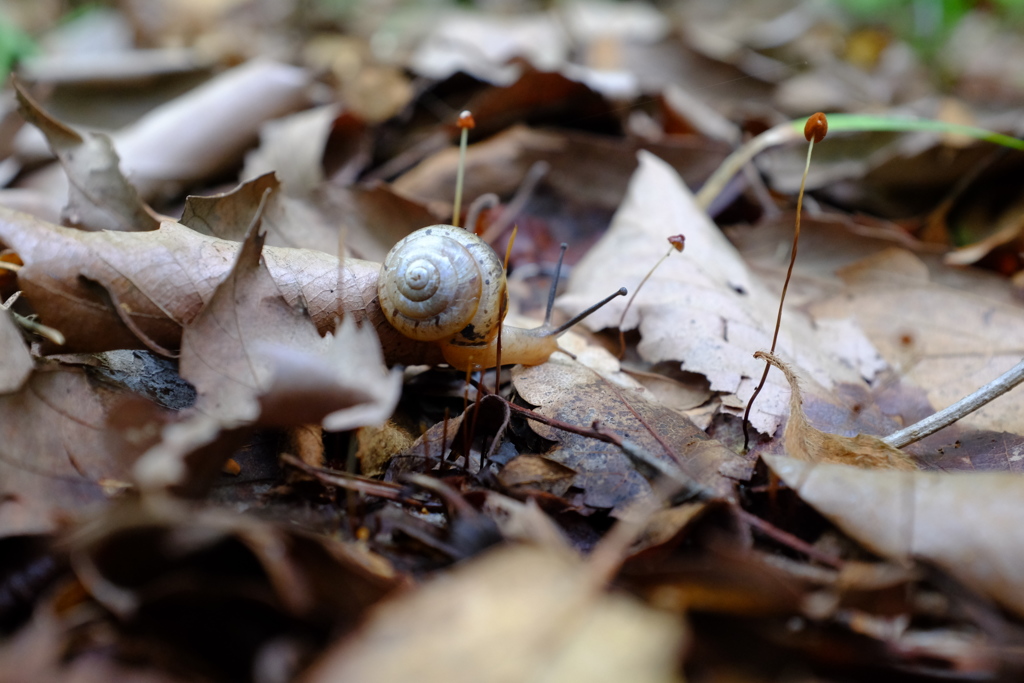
518	613
211	126
804	442
255	359
968	524
343	386
99	196
703	308
289	222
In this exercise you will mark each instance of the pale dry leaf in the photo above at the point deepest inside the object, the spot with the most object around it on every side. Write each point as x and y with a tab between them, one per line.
532	606
16	363
703	308
208	129
496	165
341	384
570	392
948	340
483	46
293	148
289	222
968	524
99	196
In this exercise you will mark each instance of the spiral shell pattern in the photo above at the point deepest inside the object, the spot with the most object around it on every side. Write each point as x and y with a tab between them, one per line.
443	282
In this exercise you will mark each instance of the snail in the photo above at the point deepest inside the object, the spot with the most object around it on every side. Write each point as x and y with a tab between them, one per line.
445	285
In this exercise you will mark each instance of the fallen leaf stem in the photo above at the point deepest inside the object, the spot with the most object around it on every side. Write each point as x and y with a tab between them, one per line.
965	406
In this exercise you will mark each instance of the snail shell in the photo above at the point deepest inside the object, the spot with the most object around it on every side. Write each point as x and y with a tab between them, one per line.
443	282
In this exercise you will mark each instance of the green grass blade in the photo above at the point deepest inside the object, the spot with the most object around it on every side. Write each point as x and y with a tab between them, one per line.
793	131
862	123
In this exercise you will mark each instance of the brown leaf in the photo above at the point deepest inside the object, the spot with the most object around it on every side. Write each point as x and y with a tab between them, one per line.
100	198
219	353
573	393
341	383
112	290
806	443
968	524
58	450
536	607
211	126
527	473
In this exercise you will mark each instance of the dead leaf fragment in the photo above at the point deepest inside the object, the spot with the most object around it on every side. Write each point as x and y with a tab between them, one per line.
113	290
968	524
99	196
956	330
806	443
16	362
516	614
218	349
570	392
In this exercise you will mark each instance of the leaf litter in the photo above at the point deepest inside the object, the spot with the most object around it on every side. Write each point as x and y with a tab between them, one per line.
598	531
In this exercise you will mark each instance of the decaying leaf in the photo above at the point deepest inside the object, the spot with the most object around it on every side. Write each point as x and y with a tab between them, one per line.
702	307
214	589
59	454
519	613
573	393
219	355
968	524
804	442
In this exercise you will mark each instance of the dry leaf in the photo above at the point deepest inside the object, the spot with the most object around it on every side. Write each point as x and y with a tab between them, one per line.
949	340
341	384
211	126
702	307
111	290
573	393
219	354
99	196
806	443
289	222
968	524
293	148
516	614
16	362
58	450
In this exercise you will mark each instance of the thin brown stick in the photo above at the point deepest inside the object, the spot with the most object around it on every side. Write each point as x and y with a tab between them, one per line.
787	539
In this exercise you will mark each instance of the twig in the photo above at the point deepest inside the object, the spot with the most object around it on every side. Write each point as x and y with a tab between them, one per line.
933	423
787	539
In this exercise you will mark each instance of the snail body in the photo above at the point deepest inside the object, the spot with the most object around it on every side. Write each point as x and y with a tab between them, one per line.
444	284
